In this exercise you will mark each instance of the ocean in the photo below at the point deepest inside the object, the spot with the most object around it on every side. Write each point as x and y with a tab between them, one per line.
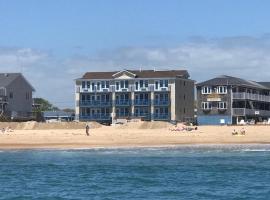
186	172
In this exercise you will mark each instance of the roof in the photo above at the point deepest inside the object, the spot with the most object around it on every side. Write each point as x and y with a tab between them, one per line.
139	74
229	80
7	78
57	114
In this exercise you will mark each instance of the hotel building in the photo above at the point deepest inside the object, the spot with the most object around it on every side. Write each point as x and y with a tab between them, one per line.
127	94
227	100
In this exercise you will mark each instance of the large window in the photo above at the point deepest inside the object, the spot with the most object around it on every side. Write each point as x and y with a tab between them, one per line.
206	105
107	84
102	84
117	86
222	105
206	90
83	84
88	84
222	89
126	84
156	85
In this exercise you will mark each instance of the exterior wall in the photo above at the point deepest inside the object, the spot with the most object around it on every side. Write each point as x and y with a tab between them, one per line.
184	99
214	119
20	103
213	116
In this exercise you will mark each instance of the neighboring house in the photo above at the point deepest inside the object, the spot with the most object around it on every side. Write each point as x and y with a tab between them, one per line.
227	100
126	94
58	116
15	96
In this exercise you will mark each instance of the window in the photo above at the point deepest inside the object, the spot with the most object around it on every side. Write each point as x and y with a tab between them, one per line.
83	84
222	89
122	83
83	97
222	105
166	83
117	85
136	85
27	95
146	83
206	106
156	85
11	95
126	84
93	86
141	83
161	83
107	84
88	84
206	90
102	84
98	86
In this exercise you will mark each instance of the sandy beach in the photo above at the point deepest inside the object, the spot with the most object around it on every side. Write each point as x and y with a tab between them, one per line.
131	135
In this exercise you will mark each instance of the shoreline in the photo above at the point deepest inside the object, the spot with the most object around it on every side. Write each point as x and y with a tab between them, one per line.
82	147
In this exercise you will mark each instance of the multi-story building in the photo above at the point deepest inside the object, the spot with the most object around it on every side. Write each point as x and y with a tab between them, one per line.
227	100
147	94
15	96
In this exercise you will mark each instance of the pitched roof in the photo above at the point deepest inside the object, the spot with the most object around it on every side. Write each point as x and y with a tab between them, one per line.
139	74
229	80
7	78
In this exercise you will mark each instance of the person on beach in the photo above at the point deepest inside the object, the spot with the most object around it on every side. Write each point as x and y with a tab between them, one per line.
87	129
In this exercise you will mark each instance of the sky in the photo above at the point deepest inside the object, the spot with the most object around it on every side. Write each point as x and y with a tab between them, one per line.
53	42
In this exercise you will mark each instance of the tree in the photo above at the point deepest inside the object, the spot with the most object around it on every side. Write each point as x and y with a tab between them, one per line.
41	105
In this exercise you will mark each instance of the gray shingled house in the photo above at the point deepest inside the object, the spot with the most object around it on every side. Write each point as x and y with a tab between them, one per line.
227	100
15	96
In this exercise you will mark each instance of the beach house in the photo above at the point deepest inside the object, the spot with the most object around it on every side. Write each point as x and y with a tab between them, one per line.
15	96
128	94
229	100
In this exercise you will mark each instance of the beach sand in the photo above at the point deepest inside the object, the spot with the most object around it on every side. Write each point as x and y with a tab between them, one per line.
139	134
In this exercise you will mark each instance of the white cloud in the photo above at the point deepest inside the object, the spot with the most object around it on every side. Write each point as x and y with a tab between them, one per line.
53	78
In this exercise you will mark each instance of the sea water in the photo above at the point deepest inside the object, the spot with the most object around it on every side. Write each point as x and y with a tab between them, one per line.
186	172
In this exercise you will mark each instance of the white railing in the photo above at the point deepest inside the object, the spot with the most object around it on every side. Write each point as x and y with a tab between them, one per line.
249	96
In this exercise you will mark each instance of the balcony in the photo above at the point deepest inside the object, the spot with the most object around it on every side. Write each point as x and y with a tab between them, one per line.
95	103
96	117
252	112
122	102
141	102
123	115
158	102
3	99
164	116
142	115
249	96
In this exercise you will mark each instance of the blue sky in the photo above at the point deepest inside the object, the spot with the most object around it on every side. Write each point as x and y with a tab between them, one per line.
55	41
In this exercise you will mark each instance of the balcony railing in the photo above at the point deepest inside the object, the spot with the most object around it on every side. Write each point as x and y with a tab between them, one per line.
140	102
253	112
95	103
96	117
249	96
3	98
161	102
122	114
122	102
142	115
165	116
